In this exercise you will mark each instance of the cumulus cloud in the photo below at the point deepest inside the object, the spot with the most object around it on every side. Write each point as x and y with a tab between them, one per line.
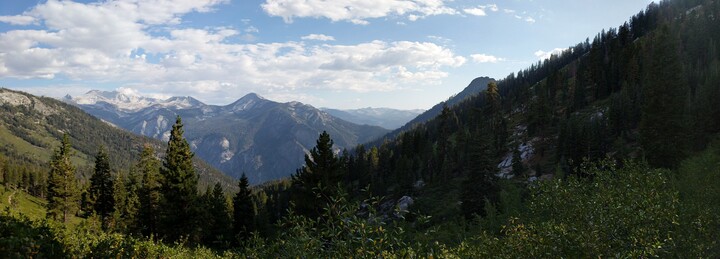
480	10
492	7
18	19
542	55
355	11
483	58
318	37
252	29
475	11
111	42
530	19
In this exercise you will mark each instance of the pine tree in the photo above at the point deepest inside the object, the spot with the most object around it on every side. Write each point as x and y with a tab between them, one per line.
179	188
120	203
3	163
481	186
150	193
517	165
129	212
219	225
101	190
243	211
662	126
62	193
317	179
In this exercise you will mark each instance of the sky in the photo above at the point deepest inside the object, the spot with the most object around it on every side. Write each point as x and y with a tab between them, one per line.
346	54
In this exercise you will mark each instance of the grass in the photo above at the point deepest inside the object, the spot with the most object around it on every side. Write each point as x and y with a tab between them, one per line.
23	203
26	204
22	146
37	153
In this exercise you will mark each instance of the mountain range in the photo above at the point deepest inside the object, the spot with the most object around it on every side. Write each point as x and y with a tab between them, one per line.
383	117
31	126
261	138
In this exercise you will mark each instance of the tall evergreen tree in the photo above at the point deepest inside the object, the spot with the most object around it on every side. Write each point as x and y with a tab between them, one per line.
219	225
498	124
179	188
481	186
3	163
129	212
662	126
243	210
118	216
517	164
102	193
150	193
317	179
62	193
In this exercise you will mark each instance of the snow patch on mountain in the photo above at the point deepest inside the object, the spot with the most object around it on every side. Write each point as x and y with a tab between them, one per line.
129	100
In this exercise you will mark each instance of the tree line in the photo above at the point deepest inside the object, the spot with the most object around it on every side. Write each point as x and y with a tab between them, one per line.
158	198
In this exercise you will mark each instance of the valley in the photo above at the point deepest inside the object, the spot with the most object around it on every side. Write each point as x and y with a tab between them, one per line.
609	147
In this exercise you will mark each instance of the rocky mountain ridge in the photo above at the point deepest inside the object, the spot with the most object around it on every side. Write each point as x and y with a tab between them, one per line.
264	139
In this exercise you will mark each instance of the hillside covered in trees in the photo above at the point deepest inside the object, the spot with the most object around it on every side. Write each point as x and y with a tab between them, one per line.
608	149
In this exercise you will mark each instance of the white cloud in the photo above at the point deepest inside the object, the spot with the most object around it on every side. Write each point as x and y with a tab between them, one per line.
18	19
529	19
252	29
509	11
480	10
475	11
318	37
440	39
492	7
542	55
111	42
355	11
483	58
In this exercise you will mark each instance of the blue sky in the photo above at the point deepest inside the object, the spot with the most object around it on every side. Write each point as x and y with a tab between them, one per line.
344	54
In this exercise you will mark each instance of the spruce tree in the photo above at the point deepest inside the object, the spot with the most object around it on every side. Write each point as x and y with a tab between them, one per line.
481	186
102	193
3	161
120	203
62	193
219	225
150	193
662	126
317	179
517	165
243	211
179	188
129	212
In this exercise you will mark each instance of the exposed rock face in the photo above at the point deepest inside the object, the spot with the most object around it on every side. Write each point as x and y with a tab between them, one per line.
265	140
16	99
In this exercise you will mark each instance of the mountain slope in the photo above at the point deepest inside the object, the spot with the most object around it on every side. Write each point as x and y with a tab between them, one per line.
31	126
592	102
476	86
264	139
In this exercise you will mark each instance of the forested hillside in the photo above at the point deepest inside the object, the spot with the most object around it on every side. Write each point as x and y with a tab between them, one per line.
608	149
31	126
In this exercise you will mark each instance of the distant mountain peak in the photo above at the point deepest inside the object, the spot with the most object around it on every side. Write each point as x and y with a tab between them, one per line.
247	102
181	102
253	96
